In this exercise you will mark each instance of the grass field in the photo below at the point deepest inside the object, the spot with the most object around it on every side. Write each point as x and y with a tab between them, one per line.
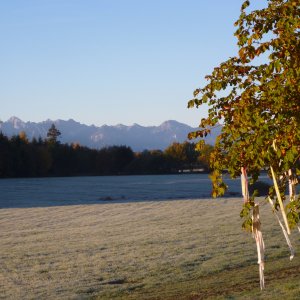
187	249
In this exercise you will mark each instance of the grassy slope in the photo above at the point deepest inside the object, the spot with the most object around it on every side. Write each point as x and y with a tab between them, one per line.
155	250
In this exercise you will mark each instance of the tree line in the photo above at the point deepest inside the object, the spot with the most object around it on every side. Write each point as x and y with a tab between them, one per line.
20	157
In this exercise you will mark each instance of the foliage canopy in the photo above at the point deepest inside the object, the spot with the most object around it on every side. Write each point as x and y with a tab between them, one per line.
256	96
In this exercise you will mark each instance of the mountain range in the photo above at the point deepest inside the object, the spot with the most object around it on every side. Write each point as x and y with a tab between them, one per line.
136	136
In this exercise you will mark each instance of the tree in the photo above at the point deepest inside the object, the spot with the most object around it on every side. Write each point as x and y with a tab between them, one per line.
114	159
256	97
53	134
6	159
149	162
204	156
23	136
183	155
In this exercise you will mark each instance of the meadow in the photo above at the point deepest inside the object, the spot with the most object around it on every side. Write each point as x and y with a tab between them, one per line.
183	249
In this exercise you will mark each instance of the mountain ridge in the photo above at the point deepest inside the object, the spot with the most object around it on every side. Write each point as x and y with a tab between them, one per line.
136	136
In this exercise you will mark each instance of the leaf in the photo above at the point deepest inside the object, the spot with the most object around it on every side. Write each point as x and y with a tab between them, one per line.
245	5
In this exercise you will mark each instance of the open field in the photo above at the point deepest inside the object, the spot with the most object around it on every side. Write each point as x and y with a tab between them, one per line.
188	249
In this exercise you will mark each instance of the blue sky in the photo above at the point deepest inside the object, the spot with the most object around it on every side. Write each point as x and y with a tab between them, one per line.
111	61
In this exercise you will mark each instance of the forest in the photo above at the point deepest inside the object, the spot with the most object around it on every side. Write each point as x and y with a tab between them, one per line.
20	157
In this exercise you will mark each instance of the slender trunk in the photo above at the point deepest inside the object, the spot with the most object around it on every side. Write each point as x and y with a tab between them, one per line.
283	230
244	183
257	235
280	202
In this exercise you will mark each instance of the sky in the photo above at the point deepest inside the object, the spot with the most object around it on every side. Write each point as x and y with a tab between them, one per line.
111	61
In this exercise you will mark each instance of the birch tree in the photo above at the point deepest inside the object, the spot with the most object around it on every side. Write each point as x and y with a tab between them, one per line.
255	98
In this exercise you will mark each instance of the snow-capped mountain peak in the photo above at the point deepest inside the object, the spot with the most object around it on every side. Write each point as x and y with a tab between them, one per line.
16	122
136	136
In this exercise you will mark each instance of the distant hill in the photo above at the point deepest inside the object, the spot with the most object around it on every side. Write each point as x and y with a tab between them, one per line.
136	136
